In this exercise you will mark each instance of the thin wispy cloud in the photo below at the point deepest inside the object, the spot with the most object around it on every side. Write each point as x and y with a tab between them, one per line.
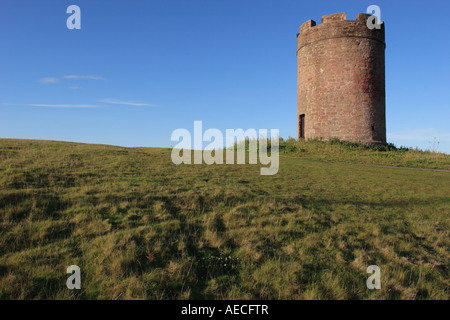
64	105
49	80
75	88
426	134
76	77
92	77
128	103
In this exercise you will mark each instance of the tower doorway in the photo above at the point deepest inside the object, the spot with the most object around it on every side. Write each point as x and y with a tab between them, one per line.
301	126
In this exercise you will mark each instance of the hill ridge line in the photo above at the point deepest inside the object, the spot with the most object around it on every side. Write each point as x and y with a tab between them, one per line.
375	165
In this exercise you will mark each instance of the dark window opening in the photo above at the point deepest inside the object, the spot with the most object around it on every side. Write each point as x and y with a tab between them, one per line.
373	128
302	126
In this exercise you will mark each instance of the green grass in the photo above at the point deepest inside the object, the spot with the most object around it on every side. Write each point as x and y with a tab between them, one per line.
140	227
388	155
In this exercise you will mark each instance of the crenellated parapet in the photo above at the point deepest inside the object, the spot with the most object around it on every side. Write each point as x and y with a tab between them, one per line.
335	26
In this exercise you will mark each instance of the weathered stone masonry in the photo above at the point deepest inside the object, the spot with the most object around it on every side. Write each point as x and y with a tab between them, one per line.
341	80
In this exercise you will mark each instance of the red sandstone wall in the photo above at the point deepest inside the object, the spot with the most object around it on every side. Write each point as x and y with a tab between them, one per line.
341	79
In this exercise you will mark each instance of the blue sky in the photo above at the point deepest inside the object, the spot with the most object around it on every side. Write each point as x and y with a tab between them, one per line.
138	70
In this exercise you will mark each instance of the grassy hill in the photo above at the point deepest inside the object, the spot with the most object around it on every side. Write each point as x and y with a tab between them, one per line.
140	227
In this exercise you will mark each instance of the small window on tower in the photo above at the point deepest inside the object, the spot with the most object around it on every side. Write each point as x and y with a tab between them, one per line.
302	126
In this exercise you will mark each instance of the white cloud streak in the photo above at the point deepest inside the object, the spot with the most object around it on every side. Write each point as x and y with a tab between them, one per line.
64	105
128	103
427	134
92	77
49	80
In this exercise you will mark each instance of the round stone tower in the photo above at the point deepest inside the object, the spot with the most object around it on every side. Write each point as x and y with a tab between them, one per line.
341	80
